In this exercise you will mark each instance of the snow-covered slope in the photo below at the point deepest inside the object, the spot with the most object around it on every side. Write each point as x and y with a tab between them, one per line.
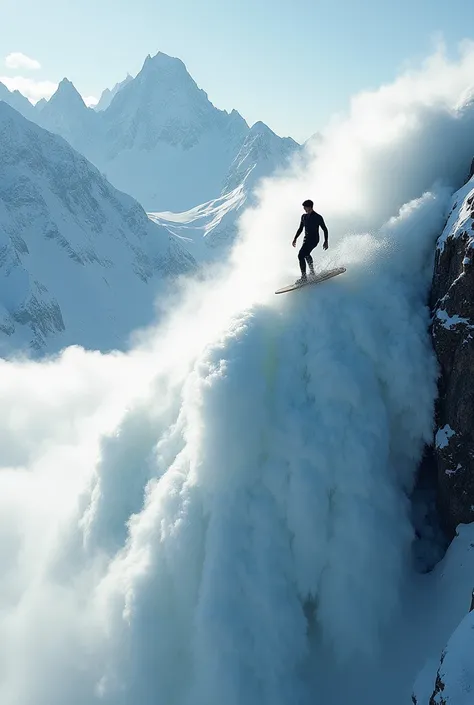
80	261
447	673
262	154
109	93
209	230
454	684
162	140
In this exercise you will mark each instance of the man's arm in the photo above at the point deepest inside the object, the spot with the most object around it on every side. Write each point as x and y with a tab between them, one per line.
299	231
325	231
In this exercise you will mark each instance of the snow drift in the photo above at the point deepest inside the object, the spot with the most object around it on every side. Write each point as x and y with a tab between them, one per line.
186	523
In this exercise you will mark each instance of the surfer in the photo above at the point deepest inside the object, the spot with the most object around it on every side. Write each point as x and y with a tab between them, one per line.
310	222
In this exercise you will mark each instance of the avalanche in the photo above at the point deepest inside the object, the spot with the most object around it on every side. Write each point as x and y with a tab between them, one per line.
222	514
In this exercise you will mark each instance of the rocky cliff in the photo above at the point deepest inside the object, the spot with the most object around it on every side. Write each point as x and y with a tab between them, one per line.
453	337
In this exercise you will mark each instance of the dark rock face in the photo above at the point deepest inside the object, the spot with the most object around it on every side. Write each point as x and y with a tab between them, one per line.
453	337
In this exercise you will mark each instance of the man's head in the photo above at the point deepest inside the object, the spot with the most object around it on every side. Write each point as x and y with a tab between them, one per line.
308	206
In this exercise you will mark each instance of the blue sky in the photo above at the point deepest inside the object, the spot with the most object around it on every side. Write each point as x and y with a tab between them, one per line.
290	64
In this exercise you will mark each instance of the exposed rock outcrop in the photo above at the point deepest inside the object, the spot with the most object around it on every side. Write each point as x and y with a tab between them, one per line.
453	337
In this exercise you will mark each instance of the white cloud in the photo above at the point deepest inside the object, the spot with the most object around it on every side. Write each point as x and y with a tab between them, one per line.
33	90
91	100
17	60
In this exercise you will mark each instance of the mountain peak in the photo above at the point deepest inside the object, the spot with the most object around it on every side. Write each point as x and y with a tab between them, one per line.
163	61
66	92
17	101
40	104
109	93
162	72
163	103
259	128
66	114
163	82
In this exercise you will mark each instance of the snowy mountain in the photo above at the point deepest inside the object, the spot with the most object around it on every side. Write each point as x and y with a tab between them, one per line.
66	114
81	262
262	153
162	140
109	94
210	229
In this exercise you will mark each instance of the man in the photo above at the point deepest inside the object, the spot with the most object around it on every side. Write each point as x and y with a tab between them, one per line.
311	222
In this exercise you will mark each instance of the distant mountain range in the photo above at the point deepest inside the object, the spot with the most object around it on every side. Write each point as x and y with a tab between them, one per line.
159	138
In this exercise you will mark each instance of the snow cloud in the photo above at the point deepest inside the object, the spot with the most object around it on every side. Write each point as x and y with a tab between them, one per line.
31	89
17	60
208	517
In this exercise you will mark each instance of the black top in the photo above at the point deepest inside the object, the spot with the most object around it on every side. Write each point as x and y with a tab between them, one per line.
311	222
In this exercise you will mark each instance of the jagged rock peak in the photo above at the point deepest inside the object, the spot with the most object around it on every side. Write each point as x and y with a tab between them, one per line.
66	92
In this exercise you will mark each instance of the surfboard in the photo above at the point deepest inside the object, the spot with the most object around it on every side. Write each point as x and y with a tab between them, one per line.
321	277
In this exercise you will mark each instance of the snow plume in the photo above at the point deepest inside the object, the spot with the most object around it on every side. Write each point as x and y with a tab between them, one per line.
184	523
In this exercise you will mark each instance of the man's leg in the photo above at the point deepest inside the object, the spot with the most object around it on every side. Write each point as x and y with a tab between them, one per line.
304	255
309	260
